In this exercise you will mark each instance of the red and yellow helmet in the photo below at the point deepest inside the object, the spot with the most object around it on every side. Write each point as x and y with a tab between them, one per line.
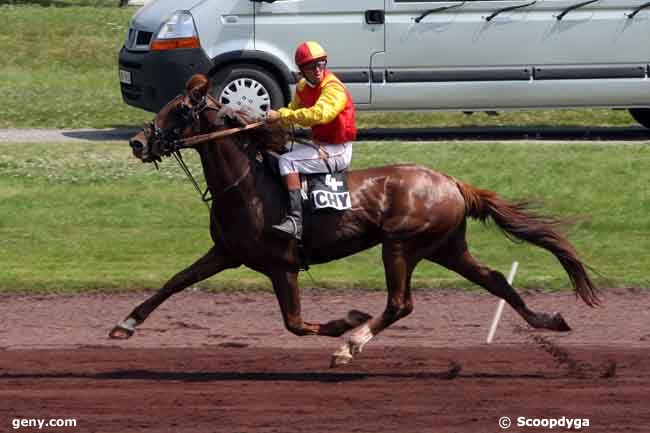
308	52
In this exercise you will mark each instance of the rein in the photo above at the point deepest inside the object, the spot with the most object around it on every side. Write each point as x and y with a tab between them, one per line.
206	196
197	139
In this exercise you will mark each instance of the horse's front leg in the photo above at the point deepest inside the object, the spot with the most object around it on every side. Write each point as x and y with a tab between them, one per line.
287	291
210	264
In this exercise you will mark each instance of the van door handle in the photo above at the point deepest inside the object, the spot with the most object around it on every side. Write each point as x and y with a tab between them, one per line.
575	6
375	16
637	10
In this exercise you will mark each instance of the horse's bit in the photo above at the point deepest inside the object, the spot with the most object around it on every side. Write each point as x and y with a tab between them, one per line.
163	142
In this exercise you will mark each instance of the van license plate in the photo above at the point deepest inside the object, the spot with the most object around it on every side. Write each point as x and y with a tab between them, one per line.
125	76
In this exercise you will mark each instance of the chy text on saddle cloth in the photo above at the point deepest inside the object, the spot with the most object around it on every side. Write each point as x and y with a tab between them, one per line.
329	191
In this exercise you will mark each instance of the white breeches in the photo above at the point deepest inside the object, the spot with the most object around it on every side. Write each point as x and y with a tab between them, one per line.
306	159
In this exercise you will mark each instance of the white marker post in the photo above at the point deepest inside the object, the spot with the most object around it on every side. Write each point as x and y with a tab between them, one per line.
497	313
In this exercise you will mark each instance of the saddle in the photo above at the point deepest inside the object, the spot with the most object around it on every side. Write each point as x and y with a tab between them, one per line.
319	190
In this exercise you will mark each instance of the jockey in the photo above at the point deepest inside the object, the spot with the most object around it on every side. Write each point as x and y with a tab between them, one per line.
323	103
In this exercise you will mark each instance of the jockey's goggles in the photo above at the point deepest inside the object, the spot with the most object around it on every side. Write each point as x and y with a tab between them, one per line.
311	67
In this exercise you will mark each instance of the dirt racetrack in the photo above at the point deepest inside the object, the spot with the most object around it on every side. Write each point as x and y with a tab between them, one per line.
224	363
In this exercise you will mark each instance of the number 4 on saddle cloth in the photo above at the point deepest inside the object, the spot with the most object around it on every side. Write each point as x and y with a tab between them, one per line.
326	191
321	192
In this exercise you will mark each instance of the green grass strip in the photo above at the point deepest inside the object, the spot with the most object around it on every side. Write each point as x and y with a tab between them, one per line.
76	217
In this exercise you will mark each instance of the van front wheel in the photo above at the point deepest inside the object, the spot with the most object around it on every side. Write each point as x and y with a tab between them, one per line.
247	87
641	115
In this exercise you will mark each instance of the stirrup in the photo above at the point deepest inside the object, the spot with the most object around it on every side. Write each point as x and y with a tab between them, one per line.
293	232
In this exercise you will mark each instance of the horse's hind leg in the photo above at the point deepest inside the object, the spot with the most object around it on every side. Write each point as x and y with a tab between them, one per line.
459	260
210	264
398	266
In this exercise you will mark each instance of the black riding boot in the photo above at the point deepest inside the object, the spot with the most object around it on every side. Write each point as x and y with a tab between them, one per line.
291	225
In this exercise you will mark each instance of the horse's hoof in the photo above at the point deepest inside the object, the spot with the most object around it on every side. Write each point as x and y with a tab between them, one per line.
559	324
341	357
120	333
339	360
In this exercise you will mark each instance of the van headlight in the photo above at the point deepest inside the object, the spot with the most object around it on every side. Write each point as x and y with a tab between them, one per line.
178	31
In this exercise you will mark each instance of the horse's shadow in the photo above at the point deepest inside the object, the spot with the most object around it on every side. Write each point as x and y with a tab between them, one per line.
231	376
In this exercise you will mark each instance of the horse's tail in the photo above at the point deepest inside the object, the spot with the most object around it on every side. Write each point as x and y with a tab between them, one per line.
517	221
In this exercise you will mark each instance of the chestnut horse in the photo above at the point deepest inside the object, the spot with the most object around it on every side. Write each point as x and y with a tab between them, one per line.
414	212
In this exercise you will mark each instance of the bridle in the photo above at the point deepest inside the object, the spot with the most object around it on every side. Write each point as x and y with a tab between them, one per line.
167	144
190	114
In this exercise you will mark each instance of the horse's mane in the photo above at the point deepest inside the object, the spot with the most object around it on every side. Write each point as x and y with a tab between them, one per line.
266	137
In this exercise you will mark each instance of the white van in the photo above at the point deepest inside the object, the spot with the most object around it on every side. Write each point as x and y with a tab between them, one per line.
469	55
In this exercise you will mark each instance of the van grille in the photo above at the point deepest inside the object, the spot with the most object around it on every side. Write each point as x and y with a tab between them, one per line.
138	39
143	38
